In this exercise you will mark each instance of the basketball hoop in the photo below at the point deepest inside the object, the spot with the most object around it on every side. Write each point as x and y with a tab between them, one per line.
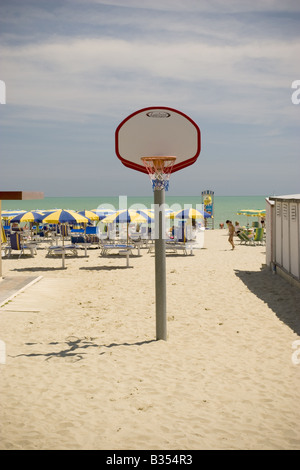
159	170
158	132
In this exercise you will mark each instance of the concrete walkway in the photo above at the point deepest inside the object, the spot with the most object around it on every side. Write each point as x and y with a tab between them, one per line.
12	286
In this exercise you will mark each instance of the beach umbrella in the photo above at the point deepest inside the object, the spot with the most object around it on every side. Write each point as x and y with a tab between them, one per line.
9	214
65	217
102	212
252	212
148	214
91	216
169	213
31	216
206	215
124	216
189	214
47	211
149	217
62	216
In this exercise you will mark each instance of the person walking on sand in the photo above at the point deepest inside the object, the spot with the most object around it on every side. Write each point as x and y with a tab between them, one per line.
231	233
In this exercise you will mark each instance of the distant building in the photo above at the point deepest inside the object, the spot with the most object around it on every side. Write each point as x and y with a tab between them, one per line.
283	236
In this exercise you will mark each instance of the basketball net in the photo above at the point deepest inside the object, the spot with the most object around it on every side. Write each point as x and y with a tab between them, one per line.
159	170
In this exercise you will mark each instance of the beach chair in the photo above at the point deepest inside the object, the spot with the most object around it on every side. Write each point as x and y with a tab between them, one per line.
105	249
16	244
93	235
175	246
77	236
245	238
62	249
78	239
259	236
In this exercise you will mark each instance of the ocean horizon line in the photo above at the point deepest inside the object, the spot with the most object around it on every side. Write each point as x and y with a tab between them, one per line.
224	207
142	196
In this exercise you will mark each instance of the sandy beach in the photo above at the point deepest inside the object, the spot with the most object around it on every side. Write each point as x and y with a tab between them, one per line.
83	369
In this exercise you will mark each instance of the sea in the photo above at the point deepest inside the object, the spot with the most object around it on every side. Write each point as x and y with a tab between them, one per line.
224	207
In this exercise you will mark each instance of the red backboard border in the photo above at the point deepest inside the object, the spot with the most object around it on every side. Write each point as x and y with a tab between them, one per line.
142	169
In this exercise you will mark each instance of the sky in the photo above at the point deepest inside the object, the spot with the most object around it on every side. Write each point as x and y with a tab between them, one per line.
74	69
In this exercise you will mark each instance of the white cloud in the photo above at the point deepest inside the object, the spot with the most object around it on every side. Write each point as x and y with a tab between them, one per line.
73	70
104	74
203	5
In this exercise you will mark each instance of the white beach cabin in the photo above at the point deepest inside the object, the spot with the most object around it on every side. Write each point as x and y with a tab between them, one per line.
283	236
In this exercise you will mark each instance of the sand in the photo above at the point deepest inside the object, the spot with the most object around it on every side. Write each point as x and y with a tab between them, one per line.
84	371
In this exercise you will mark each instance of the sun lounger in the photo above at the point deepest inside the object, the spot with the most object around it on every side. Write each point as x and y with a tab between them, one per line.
245	239
118	247
16	244
85	238
175	246
185	247
75	239
259	236
60	250
257	239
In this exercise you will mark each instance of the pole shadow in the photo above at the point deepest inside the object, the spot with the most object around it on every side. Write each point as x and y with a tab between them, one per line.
75	348
104	268
37	269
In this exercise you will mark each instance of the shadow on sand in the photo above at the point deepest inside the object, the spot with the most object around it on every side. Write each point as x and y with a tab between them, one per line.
74	348
37	269
104	268
277	293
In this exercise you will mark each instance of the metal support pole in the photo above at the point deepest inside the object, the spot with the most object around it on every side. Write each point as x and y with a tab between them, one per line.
160	266
62	228
0	242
